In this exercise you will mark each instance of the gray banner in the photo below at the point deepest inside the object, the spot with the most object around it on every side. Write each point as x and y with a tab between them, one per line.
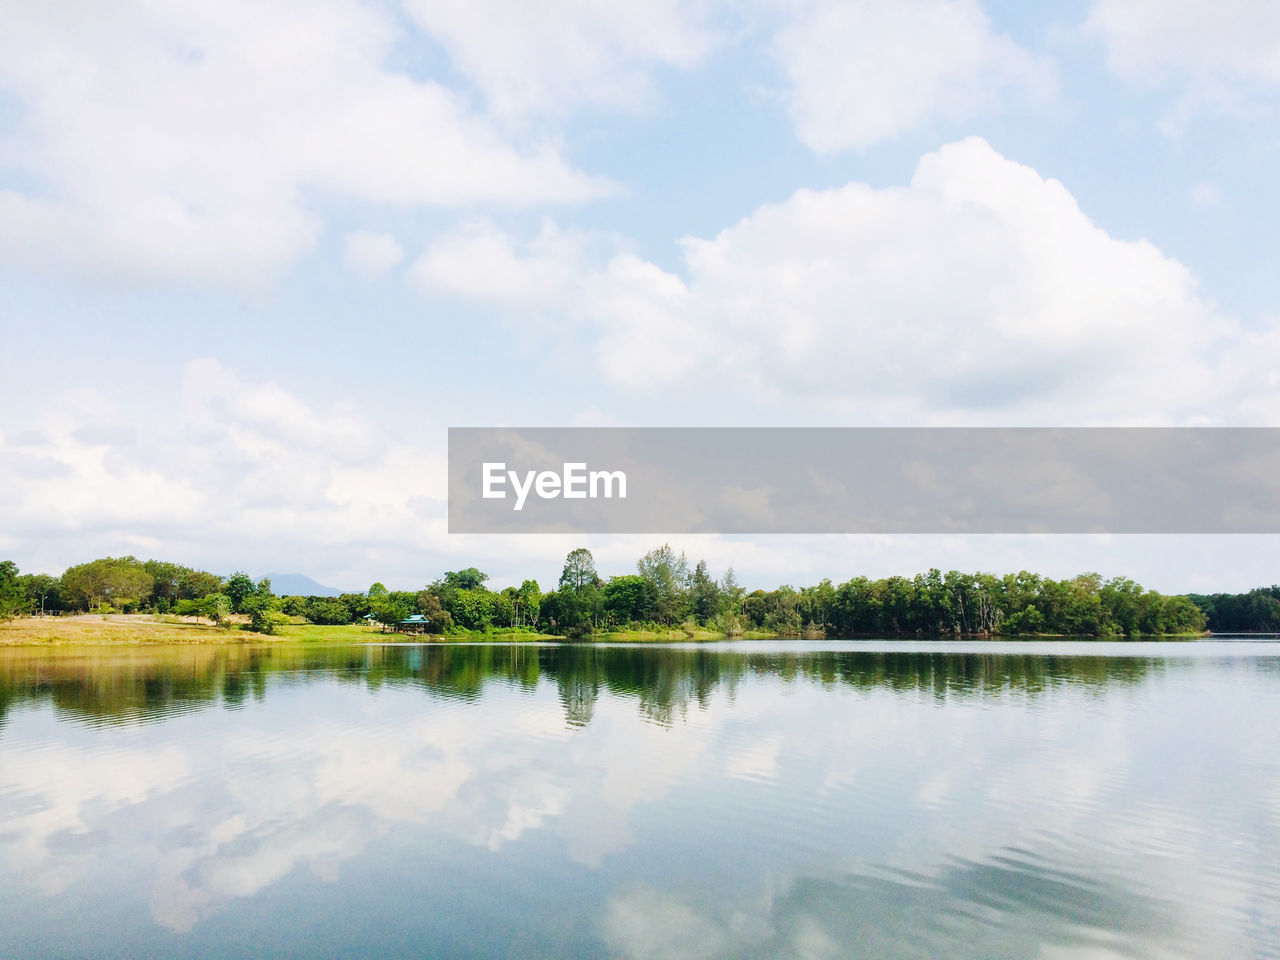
864	480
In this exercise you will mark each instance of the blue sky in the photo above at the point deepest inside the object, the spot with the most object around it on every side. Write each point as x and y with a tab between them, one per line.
254	262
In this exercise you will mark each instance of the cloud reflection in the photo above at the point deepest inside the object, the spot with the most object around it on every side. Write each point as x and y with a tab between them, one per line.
729	804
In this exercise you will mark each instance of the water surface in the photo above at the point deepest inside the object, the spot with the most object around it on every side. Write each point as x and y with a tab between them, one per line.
747	800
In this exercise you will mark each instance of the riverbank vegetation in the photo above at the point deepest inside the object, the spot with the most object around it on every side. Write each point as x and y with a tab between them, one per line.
665	598
1257	611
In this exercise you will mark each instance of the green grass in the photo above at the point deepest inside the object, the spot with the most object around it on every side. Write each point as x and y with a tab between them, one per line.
677	635
496	636
359	633
319	633
95	629
139	629
307	632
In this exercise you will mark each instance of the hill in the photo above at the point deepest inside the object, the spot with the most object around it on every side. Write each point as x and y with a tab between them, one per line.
297	584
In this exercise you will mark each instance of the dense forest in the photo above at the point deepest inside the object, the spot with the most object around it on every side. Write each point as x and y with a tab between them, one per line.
1257	611
665	591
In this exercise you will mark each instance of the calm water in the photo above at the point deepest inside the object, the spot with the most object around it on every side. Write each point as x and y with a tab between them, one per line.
750	800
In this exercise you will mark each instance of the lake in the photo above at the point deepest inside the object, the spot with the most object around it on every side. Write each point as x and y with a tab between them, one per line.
770	799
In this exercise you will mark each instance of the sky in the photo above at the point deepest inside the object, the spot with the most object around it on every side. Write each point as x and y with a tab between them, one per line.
255	259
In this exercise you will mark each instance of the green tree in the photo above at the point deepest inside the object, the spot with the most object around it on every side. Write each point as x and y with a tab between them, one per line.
1028	620
579	570
389	609
468	579
216	607
329	611
237	589
628	599
817	605
13	599
429	605
704	594
581	604
194	584
122	582
730	593
667	575
261	607
783	611
528	603
166	580
43	592
472	609
518	607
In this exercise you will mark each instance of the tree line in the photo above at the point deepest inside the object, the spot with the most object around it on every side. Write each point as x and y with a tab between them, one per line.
666	591
1257	611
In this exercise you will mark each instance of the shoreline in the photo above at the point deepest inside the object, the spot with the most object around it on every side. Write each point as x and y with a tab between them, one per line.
139	630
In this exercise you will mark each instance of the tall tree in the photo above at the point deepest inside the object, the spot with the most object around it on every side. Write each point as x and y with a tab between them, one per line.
239	587
468	579
43	592
730	592
628	599
667	576
122	582
13	599
579	570
704	593
580	602
527	601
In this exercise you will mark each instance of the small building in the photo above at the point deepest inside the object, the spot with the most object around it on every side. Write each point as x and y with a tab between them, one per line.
414	623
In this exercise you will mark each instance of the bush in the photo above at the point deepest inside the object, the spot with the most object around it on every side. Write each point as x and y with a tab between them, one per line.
730	624
327	611
262	619
580	631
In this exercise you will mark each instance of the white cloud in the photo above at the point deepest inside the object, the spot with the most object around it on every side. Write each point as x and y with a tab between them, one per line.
371	255
191	142
480	262
200	141
240	474
860	73
755	761
208	821
546	58
238	467
647	925
572	279
980	287
1210	40
264	417
980	292
1221	56
75	786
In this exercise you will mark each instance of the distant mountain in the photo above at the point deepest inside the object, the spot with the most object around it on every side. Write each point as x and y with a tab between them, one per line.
295	584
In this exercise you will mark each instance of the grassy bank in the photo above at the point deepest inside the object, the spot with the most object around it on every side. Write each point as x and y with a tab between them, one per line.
678	635
141	629
95	629
113	629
